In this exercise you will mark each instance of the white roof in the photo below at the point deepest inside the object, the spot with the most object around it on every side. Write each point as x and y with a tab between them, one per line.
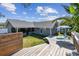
25	24
64	27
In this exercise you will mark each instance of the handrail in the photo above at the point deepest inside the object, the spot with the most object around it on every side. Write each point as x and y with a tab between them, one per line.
75	40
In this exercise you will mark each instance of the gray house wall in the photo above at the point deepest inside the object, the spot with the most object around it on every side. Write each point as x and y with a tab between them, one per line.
9	26
46	31
39	27
43	31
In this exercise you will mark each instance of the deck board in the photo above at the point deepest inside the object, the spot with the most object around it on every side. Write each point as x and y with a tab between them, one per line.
46	51
32	52
61	52
58	52
38	50
51	49
42	52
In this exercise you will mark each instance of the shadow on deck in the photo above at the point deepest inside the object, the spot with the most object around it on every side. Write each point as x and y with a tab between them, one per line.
65	44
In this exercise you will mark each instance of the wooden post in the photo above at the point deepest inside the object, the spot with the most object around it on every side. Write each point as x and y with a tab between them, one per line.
50	32
16	29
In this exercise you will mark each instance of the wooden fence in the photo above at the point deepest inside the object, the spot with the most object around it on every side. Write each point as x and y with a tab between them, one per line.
10	43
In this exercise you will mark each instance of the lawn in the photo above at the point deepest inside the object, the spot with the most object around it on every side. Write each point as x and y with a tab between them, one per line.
32	40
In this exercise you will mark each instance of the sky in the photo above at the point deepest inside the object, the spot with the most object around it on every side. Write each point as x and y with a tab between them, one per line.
32	12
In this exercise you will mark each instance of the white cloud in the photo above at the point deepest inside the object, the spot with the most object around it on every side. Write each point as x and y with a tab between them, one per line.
10	7
45	10
13	12
3	19
39	9
43	14
24	13
50	10
32	17
52	17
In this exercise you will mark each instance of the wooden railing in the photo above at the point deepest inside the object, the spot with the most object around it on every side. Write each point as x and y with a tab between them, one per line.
10	43
75	37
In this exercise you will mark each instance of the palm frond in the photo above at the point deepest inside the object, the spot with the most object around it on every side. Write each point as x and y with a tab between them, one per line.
66	8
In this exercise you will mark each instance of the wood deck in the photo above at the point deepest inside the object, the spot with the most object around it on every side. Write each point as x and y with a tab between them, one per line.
53	49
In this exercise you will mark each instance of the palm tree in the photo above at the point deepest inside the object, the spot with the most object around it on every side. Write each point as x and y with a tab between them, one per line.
73	20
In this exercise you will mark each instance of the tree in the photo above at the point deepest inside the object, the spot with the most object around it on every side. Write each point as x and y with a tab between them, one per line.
73	20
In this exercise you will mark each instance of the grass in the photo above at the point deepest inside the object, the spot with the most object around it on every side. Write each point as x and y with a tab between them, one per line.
32	40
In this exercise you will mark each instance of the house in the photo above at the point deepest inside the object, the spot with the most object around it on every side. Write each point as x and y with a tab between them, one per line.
3	30
43	27
2	25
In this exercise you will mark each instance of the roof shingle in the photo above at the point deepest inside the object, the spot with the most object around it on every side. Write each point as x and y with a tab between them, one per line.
25	24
